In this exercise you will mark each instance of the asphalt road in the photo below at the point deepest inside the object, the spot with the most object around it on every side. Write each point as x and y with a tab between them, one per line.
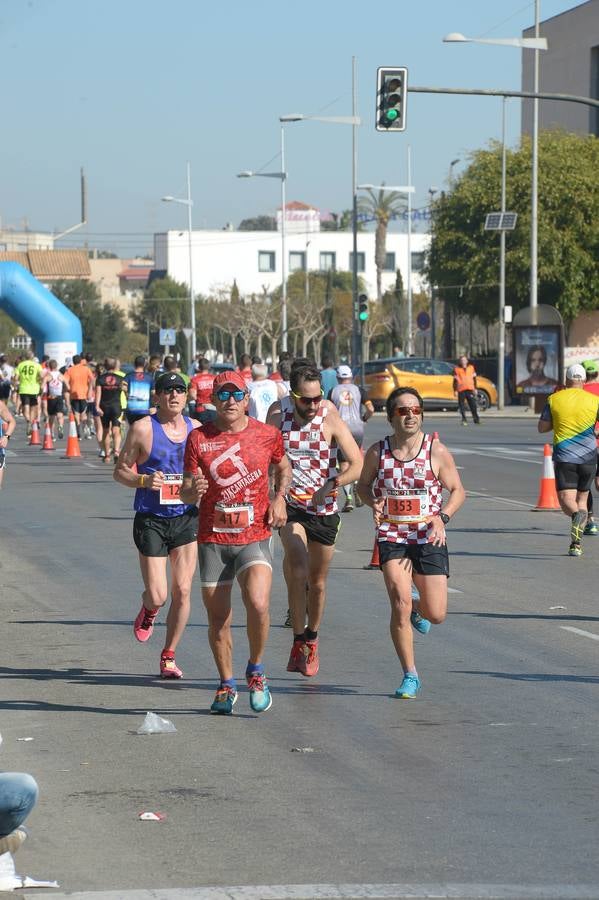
485	786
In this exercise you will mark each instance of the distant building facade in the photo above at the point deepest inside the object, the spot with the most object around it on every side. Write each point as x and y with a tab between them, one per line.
570	65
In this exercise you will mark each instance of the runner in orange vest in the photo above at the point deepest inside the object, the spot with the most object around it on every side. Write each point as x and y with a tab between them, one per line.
464	383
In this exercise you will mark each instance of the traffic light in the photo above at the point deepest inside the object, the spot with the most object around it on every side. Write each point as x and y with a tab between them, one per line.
391	93
363	307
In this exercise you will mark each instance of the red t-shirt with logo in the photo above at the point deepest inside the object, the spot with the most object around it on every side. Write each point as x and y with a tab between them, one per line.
202	384
235	465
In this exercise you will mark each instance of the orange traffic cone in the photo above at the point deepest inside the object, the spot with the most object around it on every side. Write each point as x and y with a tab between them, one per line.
73	449
34	440
48	445
547	492
374	559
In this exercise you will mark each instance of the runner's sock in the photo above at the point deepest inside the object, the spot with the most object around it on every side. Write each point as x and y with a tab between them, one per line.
310	635
254	669
299	638
167	654
228	682
411	672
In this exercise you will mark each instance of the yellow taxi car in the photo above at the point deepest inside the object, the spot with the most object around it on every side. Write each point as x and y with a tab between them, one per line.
432	378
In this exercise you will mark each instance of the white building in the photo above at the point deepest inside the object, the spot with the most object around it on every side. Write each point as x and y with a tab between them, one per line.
253	258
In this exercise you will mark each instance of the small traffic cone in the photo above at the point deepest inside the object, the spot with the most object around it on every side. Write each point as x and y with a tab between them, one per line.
374	559
547	492
73	449
34	439
48	445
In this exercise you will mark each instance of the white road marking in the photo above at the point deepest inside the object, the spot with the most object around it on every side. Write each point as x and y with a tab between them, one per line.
445	891
500	453
501	499
589	634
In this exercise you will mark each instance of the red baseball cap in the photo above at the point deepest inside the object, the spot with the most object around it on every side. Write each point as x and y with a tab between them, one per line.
234	378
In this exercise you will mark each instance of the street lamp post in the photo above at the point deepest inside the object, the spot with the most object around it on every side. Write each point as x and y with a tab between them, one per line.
188	202
536	43
282	176
409	190
353	120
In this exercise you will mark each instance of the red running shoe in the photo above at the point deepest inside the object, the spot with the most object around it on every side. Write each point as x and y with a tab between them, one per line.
144	625
169	668
304	658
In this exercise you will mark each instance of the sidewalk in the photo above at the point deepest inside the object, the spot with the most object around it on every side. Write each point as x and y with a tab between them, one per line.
508	412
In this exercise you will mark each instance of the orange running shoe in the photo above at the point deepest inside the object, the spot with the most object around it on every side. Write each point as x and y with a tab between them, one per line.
169	668
304	658
144	625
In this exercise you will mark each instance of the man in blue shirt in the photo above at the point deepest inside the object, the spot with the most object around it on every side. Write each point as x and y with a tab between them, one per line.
140	386
328	375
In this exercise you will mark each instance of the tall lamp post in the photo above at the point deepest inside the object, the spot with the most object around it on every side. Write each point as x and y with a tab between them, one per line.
282	176
536	43
409	190
353	120
188	202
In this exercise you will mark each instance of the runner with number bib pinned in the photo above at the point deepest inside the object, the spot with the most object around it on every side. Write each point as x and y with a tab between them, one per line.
234	454
164	528
402	481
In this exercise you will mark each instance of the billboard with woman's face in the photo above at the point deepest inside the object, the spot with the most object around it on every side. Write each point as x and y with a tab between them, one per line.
536	359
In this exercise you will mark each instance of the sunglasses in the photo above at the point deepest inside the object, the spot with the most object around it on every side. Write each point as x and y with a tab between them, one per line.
223	396
176	389
309	400
408	411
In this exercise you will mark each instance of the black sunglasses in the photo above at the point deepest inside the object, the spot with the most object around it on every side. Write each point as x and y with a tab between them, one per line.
175	389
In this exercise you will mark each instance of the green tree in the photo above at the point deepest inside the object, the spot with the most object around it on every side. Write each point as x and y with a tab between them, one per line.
382	206
8	329
258	223
103	326
464	259
165	305
340	222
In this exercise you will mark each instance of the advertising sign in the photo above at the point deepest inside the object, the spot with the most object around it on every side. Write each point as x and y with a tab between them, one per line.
536	359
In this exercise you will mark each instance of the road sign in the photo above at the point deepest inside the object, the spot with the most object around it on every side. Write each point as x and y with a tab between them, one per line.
187	332
423	320
167	337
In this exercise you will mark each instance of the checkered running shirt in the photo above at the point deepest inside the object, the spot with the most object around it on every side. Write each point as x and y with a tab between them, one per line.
416	474
313	462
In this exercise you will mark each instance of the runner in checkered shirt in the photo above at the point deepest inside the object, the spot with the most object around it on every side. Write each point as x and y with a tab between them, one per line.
312	430
404	476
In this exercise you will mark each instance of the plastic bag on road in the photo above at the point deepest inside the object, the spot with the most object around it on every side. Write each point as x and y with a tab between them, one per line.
153	724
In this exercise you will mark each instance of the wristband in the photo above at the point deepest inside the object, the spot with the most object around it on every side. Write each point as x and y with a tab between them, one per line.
142	481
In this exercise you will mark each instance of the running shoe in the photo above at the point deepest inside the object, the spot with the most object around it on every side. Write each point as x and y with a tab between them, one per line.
359	501
304	658
591	528
60	432
224	700
575	549
409	687
260	698
464	422
169	668
86	433
348	506
577	528
288	623
422	625
143	625
11	842
102	454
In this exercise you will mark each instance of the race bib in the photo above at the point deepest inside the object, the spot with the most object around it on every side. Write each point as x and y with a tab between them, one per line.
232	519
410	505
170	490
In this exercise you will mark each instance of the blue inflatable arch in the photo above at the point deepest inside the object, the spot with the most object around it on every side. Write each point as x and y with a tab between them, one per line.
54	328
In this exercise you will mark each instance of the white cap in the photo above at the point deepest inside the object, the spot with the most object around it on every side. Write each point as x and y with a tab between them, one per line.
344	372
576	371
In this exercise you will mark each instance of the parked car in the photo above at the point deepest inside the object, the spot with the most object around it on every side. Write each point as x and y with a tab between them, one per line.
432	378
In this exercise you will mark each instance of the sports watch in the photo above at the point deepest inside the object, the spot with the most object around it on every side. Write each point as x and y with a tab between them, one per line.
444	518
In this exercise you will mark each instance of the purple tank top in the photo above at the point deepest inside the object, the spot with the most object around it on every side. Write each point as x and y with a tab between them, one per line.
165	456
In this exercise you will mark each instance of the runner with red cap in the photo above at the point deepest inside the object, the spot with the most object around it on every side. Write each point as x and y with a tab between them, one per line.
164	528
234	454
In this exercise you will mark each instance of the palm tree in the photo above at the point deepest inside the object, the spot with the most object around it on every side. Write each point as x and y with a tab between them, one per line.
381	206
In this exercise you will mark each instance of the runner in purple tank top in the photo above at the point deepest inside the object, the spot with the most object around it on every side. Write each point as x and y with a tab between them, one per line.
164	528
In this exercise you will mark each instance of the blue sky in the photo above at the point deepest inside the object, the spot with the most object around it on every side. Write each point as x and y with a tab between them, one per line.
131	90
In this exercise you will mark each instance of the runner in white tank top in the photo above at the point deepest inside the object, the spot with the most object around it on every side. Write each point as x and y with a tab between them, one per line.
402	481
312	430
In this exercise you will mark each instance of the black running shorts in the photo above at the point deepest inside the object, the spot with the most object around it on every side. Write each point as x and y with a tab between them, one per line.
321	529
426	559
111	415
29	399
55	405
78	406
574	476
158	535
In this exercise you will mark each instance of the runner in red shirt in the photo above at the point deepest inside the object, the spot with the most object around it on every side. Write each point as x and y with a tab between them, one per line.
245	367
234	454
200	392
